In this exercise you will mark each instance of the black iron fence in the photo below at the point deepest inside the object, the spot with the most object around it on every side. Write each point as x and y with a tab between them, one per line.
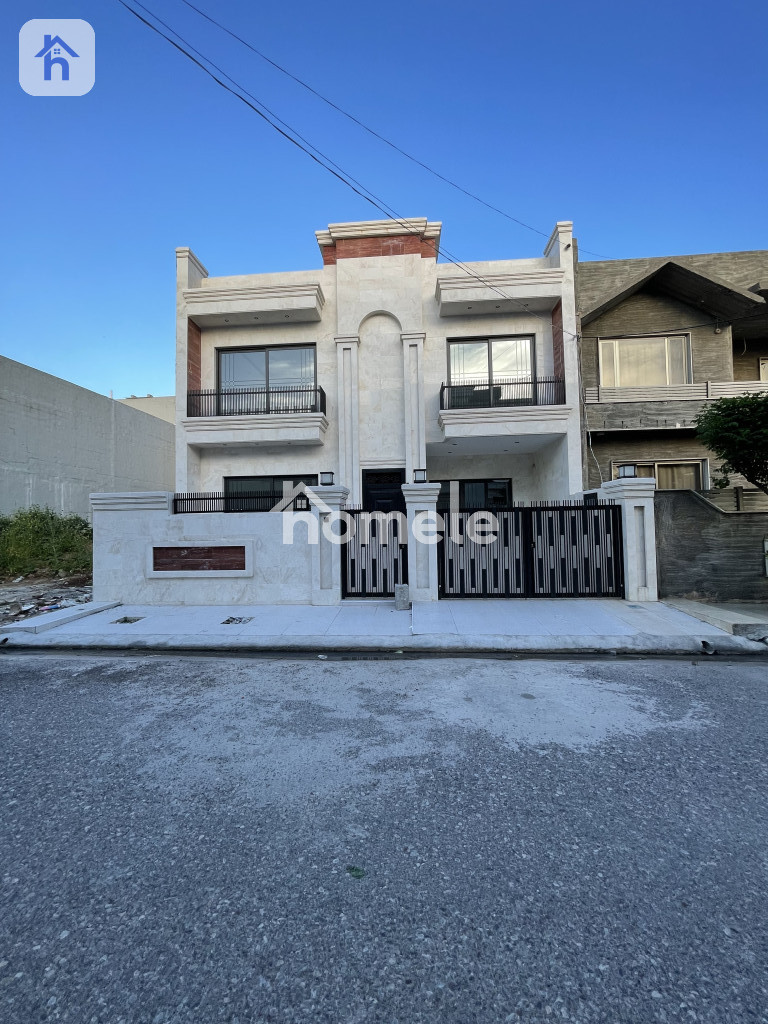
255	401
501	393
261	501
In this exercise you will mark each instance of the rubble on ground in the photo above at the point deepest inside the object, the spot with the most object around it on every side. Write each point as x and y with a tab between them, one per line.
22	597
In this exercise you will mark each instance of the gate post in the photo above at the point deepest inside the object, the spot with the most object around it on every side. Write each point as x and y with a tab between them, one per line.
635	496
326	556
422	556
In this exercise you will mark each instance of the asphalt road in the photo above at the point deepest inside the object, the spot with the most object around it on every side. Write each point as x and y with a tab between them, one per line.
454	841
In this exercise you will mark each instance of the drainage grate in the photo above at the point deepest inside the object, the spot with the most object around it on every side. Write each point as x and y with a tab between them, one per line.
127	619
237	620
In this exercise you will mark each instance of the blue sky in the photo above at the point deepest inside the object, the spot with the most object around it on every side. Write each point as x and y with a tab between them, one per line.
644	125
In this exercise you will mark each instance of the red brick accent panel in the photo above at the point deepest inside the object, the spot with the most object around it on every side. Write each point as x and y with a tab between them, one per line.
198	559
390	245
557	340
193	356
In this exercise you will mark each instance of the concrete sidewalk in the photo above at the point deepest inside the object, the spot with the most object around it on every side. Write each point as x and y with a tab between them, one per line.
525	626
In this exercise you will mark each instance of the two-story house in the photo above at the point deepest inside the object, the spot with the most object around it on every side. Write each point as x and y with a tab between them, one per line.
381	366
427	393
660	338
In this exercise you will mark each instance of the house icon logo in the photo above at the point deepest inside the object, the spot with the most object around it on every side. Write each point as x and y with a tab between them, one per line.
57	57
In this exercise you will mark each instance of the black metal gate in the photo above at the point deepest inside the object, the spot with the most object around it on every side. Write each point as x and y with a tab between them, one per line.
375	556
556	549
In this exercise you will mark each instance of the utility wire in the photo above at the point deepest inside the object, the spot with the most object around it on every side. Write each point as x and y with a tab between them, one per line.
372	131
288	132
316	155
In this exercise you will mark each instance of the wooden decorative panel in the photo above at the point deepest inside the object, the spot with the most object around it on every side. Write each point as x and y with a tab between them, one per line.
198	559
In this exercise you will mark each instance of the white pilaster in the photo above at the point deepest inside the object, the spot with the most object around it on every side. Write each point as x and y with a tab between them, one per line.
421	508
635	495
415	423
326	556
349	414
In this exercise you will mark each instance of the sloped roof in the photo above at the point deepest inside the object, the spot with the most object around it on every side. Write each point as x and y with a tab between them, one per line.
706	292
604	283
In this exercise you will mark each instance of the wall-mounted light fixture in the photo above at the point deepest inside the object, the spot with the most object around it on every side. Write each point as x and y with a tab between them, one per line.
628	470
326	479
419	476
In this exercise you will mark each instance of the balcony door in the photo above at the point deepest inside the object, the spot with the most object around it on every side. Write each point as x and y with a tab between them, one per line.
264	380
492	371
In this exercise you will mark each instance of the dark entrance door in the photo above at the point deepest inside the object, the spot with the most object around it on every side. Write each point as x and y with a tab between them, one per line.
382	490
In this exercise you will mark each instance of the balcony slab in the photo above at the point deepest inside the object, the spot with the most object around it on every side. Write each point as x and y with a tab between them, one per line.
217	306
304	428
548	422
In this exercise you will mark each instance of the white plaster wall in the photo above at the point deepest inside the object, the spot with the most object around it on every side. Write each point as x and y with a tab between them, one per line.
60	442
282	573
382	402
487	467
217	463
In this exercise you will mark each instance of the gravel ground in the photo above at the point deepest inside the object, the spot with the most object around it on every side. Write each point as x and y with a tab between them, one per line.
338	842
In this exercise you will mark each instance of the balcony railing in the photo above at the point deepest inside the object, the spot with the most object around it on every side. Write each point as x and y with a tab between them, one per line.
674	392
503	393
256	401
211	501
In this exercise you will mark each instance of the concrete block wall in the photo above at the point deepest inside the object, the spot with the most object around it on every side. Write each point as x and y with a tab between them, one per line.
60	442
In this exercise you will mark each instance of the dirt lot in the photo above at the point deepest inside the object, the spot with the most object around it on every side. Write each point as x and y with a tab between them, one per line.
23	596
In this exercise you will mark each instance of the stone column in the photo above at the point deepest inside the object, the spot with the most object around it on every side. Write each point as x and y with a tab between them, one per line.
349	414
413	383
326	556
635	495
421	507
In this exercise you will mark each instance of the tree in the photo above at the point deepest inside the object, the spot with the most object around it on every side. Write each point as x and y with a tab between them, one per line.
736	430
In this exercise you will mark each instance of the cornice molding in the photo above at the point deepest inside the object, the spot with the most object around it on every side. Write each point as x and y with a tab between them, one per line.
313	292
378	229
260	422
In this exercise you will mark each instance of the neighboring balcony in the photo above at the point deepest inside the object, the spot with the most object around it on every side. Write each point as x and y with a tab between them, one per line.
504	407
290	415
665	407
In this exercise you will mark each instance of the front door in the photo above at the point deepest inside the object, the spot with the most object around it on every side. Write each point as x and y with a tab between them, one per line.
382	490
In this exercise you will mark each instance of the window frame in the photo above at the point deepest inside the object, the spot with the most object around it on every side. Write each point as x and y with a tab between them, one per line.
615	339
266	349
299	503
489	339
443	499
703	465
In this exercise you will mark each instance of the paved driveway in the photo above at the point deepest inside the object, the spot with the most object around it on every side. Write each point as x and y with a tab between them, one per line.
203	840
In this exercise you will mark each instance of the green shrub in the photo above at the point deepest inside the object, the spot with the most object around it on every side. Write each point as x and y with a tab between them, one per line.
40	540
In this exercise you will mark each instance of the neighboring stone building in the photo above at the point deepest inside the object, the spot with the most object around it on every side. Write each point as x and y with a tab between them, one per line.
661	337
163	406
59	442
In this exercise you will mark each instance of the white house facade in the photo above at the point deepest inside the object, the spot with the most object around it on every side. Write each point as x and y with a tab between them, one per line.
381	363
387	383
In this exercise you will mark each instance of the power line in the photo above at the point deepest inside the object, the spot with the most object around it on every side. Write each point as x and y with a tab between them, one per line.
372	131
319	157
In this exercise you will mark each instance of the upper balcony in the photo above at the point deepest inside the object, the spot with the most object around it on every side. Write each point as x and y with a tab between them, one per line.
667	407
504	406
289	415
